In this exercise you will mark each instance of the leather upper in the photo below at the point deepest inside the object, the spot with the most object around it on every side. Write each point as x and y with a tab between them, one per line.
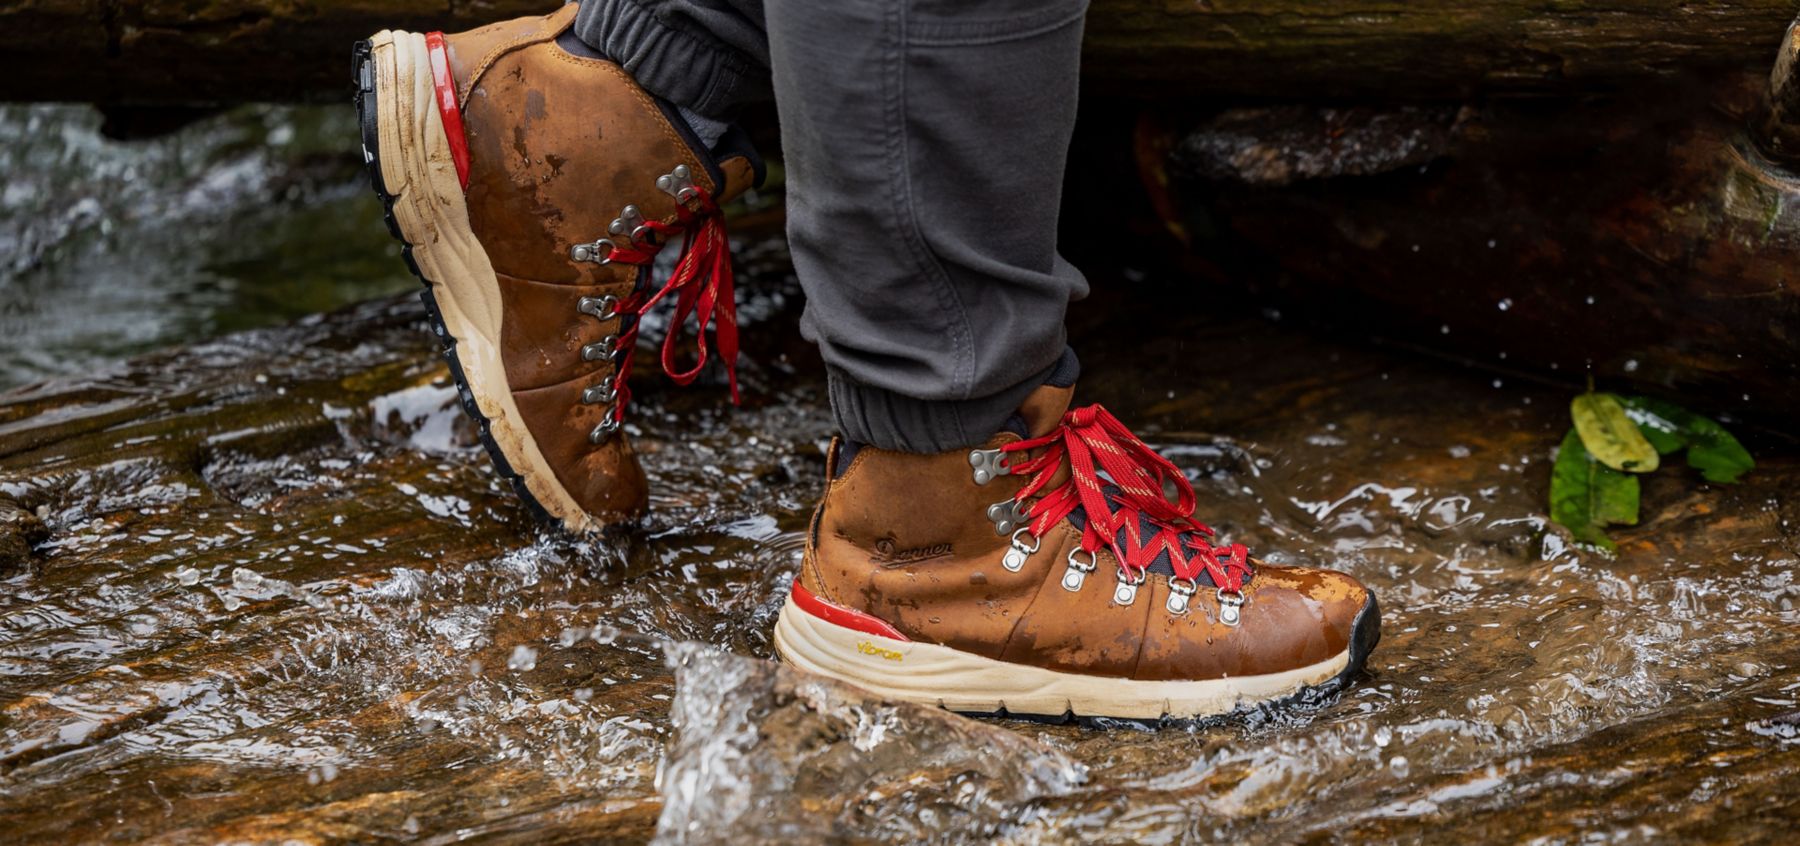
907	539
559	145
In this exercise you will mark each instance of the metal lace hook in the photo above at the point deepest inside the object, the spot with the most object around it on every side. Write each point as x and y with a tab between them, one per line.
598	252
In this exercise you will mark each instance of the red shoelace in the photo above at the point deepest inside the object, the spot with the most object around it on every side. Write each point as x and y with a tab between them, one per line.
702	286
1090	441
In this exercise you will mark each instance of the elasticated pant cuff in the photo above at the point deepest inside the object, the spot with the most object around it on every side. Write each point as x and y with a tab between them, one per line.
890	421
684	65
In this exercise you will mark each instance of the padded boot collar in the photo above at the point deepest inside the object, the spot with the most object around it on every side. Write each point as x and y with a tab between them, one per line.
472	53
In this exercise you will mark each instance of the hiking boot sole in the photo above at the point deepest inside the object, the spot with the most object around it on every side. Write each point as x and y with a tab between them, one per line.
412	171
965	682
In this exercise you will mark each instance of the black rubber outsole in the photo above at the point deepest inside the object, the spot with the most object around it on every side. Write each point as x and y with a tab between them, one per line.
1365	633
363	83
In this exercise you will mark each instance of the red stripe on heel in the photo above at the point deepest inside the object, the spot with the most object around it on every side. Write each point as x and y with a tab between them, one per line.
445	85
838	615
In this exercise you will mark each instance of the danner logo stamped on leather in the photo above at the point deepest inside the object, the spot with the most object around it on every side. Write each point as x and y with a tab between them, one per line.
887	555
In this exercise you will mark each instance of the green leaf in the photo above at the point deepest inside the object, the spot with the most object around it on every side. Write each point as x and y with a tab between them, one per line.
1587	496
1711	450
1609	435
1655	424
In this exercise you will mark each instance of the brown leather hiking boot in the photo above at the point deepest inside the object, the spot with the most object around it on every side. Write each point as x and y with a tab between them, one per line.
1018	578
533	184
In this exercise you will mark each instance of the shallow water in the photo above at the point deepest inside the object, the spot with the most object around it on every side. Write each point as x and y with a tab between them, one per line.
280	597
107	248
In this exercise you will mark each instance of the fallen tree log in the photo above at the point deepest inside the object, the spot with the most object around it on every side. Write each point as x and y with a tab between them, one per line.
1646	240
203	51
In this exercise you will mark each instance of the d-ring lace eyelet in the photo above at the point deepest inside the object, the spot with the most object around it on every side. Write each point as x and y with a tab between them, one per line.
1014	561
1126	592
1230	603
1092	464
1078	571
1180	592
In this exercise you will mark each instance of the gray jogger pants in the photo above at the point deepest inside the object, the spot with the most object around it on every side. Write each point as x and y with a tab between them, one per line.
924	142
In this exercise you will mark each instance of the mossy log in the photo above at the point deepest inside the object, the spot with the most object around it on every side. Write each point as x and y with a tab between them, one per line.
196	51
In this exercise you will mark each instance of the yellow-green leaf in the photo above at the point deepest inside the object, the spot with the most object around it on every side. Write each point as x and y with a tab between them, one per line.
1610	436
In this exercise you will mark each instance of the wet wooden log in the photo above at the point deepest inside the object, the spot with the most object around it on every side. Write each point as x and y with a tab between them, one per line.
193	51
1649	237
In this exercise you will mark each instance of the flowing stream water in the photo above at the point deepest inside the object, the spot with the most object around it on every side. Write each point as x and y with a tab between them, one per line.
276	595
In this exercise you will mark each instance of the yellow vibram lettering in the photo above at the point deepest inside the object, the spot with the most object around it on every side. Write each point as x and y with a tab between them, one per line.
868	648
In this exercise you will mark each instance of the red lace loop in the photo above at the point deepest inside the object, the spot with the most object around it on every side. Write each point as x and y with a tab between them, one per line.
702	285
1090	442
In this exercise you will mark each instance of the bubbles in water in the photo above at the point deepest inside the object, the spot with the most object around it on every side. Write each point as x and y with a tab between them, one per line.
1506	304
326	771
243	579
523	659
186	576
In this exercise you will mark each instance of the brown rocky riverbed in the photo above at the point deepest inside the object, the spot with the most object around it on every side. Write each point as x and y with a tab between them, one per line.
263	588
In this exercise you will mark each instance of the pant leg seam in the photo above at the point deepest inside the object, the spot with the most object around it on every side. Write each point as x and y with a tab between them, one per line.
905	211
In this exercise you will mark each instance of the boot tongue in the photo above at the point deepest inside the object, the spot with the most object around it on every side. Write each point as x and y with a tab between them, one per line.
1044	408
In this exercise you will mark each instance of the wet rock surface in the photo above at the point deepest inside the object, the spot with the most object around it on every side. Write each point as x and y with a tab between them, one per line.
278	597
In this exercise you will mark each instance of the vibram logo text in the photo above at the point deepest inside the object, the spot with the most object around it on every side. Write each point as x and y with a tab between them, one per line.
868	648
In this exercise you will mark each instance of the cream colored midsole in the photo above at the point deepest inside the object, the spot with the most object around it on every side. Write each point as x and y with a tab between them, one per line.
420	175
960	681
